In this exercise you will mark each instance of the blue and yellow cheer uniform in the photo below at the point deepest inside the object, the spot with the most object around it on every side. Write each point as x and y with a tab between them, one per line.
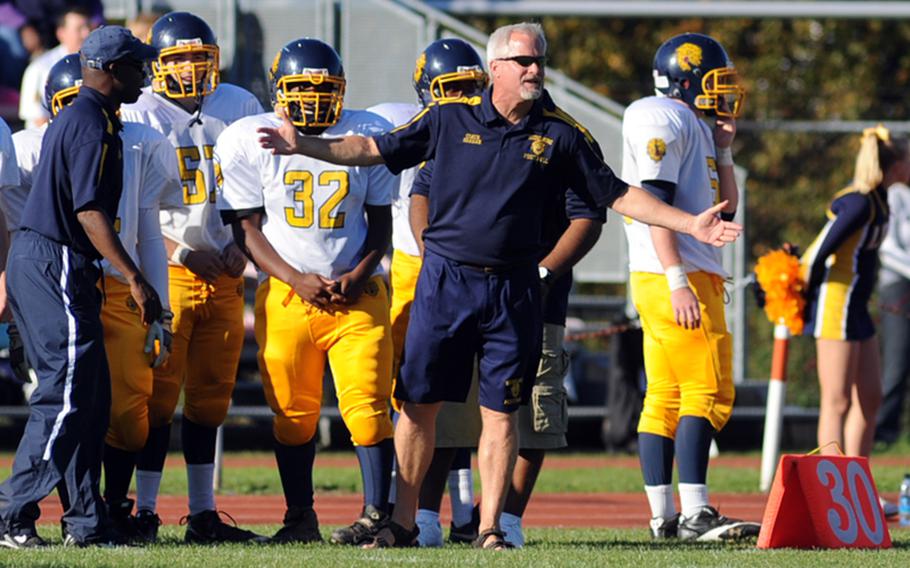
841	265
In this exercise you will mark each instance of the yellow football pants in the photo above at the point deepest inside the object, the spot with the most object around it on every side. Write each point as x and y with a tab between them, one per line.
403	278
294	341
131	371
689	372
208	337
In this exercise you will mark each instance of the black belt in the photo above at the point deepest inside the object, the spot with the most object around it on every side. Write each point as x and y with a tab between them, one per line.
496	269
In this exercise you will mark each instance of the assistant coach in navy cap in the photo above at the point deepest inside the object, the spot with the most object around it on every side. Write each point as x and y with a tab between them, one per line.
53	270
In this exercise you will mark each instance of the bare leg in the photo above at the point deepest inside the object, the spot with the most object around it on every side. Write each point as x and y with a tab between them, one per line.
496	455
415	437
859	430
833	357
527	468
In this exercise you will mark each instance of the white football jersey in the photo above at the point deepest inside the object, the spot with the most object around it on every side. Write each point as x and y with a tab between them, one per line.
197	225
28	148
402	236
664	140
149	182
9	170
314	211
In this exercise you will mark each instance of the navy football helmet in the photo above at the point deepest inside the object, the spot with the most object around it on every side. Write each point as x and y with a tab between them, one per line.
696	69
188	56
306	79
63	82
443	63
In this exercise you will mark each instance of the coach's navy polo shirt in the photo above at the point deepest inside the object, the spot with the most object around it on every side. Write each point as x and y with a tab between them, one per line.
80	168
493	181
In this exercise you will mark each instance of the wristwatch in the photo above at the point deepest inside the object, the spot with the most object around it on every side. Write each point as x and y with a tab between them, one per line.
546	275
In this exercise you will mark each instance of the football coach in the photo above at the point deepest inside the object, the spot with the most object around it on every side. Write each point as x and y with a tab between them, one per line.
498	158
67	227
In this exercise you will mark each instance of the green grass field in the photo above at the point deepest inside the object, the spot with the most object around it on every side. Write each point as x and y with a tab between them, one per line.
546	547
265	481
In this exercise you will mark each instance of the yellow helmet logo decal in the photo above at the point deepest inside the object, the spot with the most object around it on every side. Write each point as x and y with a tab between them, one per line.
418	67
657	149
274	68
688	55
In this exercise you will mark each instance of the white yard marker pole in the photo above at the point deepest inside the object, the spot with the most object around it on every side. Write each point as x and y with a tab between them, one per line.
774	411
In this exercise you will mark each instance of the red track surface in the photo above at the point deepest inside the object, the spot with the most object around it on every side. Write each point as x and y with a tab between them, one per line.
628	510
545	510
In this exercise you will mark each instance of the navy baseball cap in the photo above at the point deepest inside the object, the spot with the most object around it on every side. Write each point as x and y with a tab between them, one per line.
110	43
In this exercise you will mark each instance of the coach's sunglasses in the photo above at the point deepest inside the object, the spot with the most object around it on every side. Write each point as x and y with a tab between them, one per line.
527	60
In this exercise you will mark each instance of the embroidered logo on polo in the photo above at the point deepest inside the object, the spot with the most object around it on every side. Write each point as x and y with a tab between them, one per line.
539	146
472	139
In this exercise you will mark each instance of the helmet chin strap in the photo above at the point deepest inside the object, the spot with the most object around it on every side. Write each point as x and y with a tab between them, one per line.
197	114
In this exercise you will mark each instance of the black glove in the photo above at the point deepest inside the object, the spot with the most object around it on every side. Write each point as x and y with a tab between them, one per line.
17	359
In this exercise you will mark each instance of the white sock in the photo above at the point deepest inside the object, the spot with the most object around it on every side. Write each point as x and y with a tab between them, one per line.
461	493
660	498
511	525
199	480
393	487
430	530
147	484
692	497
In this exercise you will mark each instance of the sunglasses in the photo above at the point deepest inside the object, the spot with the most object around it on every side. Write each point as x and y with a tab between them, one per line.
527	60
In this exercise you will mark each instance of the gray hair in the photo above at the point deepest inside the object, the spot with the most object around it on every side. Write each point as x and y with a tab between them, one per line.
498	44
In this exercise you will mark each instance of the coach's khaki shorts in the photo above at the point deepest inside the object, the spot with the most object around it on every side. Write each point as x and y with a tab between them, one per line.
542	424
458	423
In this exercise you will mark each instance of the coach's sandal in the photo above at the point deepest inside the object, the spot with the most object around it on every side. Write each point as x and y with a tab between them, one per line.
146	524
23	539
208	528
301	526
393	535
709	525
664	528
363	530
492	539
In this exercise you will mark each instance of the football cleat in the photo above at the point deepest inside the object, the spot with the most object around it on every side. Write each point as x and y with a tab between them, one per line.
23	540
145	525
708	525
363	530
208	528
662	528
301	526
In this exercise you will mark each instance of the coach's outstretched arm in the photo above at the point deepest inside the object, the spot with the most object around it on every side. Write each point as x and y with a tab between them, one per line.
706	226
345	151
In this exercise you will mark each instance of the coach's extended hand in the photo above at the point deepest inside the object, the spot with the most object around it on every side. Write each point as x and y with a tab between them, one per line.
709	228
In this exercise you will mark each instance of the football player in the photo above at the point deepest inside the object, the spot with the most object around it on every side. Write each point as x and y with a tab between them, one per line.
316	232
150	183
446	70
189	105
677	283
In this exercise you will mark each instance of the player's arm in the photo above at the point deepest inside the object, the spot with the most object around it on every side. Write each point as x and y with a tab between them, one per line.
419	217
378	239
575	242
724	132
246	228
419	207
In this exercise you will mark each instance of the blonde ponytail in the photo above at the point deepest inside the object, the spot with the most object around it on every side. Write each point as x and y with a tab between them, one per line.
868	173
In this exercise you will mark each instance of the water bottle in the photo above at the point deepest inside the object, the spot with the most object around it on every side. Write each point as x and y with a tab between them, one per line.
903	505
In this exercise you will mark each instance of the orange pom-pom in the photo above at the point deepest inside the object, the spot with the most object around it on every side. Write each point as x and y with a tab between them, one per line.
778	274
